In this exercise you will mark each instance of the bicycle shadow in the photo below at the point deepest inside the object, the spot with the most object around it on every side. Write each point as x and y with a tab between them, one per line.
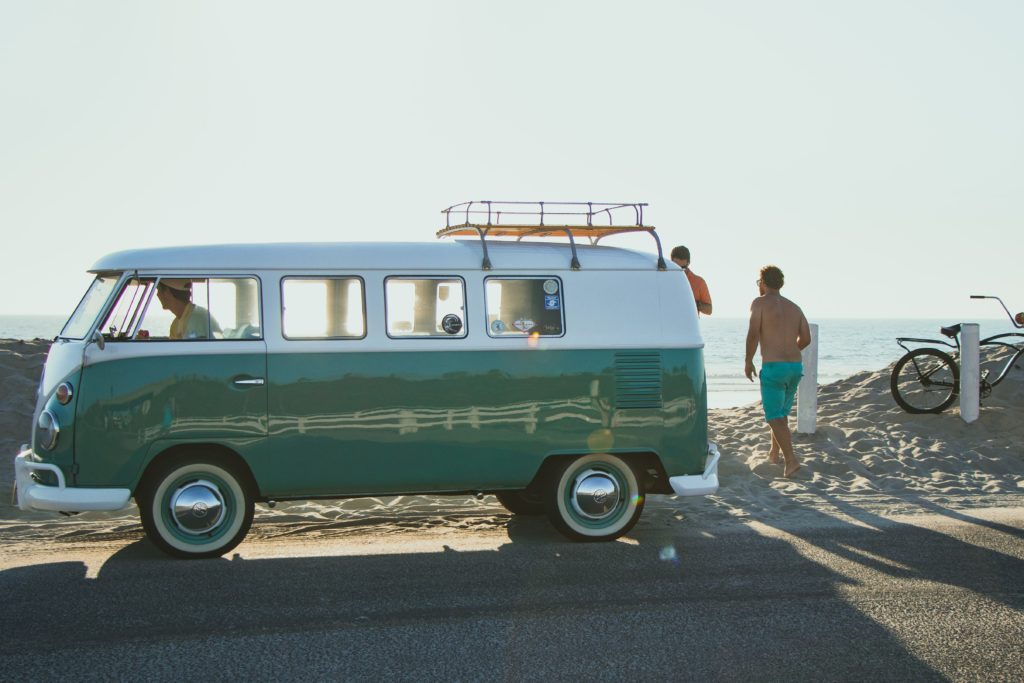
921	554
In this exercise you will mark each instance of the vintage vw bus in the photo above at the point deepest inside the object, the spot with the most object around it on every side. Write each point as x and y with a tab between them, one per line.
565	378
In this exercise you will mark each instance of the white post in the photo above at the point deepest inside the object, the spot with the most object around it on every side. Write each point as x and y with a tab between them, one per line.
807	392
970	372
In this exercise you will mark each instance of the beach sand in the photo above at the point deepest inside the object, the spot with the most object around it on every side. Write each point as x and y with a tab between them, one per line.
867	455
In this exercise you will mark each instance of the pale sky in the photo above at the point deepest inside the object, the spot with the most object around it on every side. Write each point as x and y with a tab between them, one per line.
873	150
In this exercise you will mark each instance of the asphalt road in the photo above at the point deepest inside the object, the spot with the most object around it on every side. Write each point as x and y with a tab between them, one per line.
935	598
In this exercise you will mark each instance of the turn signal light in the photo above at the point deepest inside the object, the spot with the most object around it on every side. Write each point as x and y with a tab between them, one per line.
64	393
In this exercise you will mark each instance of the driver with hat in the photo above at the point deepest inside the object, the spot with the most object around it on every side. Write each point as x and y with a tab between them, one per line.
190	321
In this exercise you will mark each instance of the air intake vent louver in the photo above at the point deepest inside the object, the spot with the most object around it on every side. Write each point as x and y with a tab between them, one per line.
637	379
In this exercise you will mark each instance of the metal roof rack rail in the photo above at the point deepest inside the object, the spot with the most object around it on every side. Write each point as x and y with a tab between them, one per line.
572	219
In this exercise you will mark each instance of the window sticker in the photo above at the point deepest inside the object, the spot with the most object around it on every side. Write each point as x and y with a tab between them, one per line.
451	323
523	306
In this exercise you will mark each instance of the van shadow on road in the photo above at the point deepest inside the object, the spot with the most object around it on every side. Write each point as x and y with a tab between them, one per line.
722	601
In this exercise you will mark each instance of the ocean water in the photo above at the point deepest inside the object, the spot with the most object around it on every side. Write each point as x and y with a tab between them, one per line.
845	347
31	326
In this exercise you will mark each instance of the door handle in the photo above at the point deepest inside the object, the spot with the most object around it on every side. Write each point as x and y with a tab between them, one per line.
249	382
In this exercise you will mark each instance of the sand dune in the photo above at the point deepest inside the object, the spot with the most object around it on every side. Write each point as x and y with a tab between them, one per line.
866	452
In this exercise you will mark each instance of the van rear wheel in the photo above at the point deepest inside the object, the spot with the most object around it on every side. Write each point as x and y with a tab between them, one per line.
596	497
520	502
197	508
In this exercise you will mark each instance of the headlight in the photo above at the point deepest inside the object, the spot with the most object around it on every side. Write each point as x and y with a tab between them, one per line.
47	430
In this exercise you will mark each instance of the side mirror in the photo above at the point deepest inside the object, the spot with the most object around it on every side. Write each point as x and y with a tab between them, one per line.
97	338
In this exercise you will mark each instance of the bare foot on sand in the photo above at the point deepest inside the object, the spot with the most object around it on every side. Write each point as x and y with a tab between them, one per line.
791	469
773	457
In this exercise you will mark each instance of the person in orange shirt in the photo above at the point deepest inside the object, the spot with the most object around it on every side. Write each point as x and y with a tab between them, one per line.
681	257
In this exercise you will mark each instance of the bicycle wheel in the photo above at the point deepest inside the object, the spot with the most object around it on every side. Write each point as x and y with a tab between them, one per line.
925	381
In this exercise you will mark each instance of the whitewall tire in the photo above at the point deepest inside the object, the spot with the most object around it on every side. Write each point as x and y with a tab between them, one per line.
595	497
196	508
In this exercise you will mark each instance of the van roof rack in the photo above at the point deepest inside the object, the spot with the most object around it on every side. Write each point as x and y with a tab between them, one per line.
546	219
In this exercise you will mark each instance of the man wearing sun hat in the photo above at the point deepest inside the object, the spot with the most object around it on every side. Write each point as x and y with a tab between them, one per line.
190	321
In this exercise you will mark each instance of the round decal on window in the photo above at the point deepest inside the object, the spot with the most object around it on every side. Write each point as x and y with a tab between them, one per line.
451	323
550	286
498	326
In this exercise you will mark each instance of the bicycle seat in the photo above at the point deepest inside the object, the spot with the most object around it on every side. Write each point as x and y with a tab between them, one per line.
951	331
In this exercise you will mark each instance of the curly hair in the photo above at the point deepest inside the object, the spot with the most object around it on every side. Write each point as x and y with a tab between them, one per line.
772	277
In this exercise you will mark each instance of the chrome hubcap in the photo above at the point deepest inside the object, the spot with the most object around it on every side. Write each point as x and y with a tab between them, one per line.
197	507
595	494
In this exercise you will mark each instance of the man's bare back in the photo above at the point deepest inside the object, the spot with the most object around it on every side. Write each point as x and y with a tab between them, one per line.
779	327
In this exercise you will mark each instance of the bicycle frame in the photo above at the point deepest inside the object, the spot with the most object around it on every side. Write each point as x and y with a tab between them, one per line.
992	341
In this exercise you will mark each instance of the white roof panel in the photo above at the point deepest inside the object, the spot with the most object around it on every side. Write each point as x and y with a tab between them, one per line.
457	255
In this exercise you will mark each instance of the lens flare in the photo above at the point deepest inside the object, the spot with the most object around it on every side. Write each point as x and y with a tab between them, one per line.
601	439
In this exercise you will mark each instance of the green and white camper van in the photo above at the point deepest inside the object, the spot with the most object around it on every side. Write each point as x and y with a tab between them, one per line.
565	378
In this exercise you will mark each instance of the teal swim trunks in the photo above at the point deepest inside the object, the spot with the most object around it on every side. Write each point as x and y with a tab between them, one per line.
778	388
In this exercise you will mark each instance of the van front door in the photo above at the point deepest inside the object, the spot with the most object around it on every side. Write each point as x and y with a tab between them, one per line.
183	362
140	397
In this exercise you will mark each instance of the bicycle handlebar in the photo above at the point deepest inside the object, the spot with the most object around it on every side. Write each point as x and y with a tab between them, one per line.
1017	321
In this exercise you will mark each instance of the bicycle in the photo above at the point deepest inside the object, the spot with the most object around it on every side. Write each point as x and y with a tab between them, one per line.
927	380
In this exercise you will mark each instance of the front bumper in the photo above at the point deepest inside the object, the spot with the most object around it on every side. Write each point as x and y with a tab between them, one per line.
699	484
32	495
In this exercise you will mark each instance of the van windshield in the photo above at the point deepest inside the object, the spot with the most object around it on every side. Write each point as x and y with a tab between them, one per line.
90	307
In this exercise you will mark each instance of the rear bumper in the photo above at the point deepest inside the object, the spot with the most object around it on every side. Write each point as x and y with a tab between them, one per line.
31	495
699	484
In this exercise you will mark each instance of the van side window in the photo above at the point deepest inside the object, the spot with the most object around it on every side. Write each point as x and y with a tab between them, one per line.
189	309
235	303
425	307
524	306
323	308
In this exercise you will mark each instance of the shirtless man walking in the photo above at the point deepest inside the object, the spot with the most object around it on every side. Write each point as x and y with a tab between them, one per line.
780	328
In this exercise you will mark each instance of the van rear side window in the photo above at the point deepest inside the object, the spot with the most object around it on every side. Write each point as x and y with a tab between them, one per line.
524	306
323	308
425	307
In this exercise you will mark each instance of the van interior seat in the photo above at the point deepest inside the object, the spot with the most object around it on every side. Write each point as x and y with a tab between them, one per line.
242	332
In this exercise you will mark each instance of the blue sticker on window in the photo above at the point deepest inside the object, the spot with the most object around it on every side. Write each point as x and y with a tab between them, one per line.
551	302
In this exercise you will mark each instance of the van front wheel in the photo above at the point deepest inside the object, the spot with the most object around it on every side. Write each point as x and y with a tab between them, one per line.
196	508
595	497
